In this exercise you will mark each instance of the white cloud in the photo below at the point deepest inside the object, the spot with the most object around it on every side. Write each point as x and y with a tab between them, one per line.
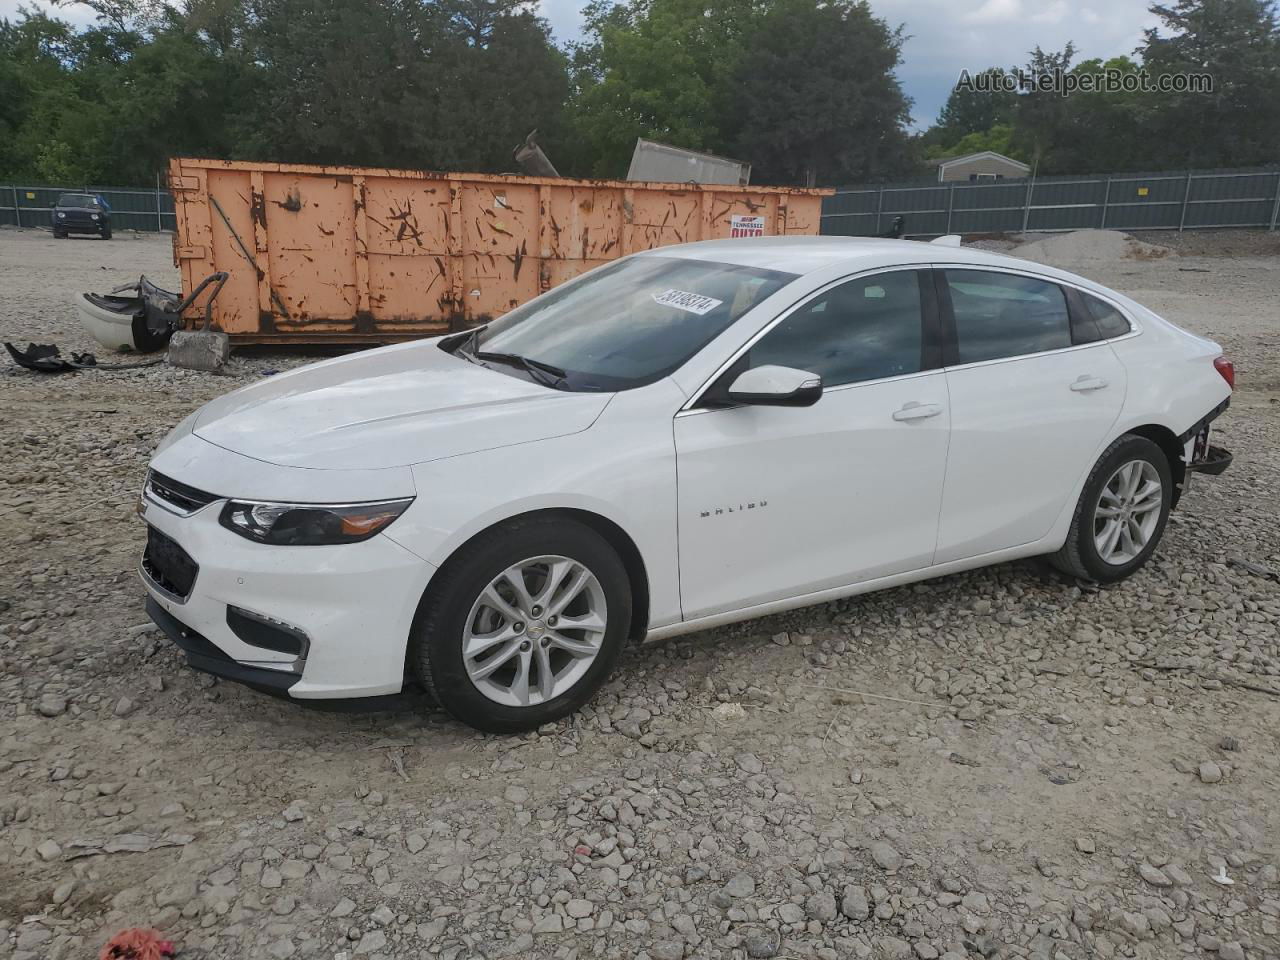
1054	13
947	36
995	11
76	13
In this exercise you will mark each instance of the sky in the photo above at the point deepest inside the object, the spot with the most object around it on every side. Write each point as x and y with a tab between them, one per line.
945	36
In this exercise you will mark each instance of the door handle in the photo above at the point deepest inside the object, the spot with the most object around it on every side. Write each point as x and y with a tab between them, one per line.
917	411
1086	383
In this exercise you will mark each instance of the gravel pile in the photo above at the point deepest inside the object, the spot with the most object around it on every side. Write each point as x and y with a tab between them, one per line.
996	764
1082	247
1190	243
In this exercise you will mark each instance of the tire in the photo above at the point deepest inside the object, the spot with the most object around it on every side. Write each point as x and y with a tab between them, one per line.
59	235
1081	556
454	610
106	233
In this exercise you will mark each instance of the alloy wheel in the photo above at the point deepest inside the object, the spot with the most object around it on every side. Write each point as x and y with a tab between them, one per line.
1128	512
534	631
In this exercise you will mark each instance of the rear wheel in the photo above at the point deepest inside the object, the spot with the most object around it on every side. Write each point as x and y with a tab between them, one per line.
1121	515
523	625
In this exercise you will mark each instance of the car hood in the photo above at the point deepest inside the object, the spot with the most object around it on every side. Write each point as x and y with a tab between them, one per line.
392	407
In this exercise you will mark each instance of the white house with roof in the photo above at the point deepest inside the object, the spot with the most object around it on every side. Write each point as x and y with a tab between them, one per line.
985	165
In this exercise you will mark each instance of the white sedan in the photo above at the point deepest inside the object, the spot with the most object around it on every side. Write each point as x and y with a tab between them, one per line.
676	440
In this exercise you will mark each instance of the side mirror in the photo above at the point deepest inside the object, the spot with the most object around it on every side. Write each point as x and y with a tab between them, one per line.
776	386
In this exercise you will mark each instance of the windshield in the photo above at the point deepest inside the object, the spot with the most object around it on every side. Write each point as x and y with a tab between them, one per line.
77	200
631	322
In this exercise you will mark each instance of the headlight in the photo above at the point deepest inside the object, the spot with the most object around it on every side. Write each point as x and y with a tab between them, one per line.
310	524
94	216
61	215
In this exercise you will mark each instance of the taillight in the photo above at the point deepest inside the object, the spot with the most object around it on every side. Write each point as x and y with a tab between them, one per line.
1227	369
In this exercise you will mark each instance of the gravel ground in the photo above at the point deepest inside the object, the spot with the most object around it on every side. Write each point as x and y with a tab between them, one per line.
997	764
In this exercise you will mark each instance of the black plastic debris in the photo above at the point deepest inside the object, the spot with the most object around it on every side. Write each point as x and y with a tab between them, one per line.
47	358
42	357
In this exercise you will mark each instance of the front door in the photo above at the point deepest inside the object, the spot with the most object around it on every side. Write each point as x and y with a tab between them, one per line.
778	502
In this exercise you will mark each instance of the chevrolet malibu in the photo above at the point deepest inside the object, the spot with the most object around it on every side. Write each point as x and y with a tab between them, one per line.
679	439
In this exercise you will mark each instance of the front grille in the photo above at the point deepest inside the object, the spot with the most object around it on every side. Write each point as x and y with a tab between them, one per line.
185	498
169	566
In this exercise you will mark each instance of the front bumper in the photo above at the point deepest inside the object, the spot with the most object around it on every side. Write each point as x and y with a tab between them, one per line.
350	608
79	225
203	655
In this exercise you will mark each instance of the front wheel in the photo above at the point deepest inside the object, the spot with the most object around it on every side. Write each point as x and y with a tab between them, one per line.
106	233
523	625
1121	514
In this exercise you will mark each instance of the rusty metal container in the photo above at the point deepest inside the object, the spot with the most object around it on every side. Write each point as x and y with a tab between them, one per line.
349	254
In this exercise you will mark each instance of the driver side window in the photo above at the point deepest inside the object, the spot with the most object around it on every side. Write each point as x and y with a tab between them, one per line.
864	329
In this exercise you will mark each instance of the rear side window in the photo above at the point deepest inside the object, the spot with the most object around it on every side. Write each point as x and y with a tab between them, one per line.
1109	321
865	329
1005	315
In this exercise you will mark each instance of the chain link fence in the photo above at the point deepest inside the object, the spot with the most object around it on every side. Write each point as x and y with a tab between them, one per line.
1190	200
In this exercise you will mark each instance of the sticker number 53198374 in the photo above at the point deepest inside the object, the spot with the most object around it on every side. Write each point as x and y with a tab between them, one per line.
686	301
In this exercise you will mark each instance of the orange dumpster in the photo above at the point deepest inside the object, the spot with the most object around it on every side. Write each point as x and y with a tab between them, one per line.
360	255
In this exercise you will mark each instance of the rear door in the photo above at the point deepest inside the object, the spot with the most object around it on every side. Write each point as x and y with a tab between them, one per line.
778	502
1030	405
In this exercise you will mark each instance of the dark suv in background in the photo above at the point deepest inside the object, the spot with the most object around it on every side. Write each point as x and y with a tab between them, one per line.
81	213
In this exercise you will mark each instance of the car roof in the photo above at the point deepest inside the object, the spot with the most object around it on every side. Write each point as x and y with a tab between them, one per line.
805	254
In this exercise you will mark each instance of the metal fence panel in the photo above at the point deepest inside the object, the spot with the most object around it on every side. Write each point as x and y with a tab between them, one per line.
131	208
987	221
850	225
1161	200
1215	214
1246	186
1004	196
913	199
1165	200
851	202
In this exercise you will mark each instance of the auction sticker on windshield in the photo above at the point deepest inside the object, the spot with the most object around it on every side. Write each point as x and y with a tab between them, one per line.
686	301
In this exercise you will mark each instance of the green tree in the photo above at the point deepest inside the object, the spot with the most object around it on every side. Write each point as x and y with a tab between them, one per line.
1105	129
803	90
1000	139
1040	115
334	80
174	96
1237	43
977	107
454	84
53	109
814	95
507	78
658	69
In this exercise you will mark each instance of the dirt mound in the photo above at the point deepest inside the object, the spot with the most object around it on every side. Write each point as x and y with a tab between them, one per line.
1081	246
